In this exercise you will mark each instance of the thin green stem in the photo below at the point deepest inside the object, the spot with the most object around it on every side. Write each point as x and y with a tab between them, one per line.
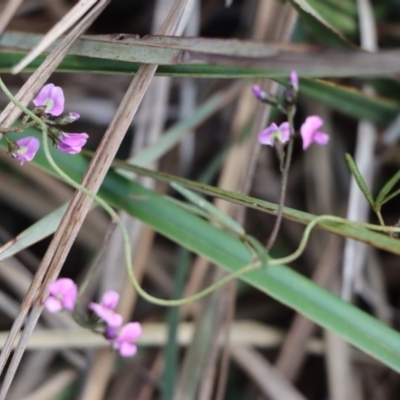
284	182
115	217
127	249
304	239
380	218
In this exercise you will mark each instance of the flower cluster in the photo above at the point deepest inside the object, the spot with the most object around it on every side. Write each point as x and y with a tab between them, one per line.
63	294
49	107
276	135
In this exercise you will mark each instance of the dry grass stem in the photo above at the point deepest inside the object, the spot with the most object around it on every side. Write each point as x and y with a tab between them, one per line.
8	12
69	20
268	379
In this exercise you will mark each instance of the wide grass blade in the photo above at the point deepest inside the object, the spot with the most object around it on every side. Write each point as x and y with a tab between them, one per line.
280	282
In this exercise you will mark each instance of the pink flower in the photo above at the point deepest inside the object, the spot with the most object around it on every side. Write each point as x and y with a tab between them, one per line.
52	98
27	149
72	143
105	310
274	133
294	80
310	133
62	294
124	342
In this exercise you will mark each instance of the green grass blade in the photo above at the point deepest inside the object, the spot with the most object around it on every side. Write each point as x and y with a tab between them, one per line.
349	230
319	26
206	57
36	232
390	196
280	282
351	101
384	192
359	179
171	364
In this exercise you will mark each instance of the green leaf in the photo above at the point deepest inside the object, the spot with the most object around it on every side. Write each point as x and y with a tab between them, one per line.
383	194
340	16
213	212
359	179
348	229
319	26
205	57
350	101
280	282
36	232
391	196
171	352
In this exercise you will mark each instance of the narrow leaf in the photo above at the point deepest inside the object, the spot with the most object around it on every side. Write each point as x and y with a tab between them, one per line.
318	24
383	194
359	179
214	213
280	282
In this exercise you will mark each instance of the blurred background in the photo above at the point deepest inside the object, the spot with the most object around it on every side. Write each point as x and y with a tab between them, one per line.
265	341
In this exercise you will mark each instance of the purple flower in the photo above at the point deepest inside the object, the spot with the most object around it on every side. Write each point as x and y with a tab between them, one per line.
73	116
62	294
294	80
105	311
123	343
52	98
258	92
72	143
310	132
274	133
27	149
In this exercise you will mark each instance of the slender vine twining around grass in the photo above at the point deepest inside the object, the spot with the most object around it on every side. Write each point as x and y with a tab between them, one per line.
255	265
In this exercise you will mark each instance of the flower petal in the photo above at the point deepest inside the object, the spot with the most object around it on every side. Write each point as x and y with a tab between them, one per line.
110	299
257	92
312	123
66	292
130	332
285	129
126	349
309	128
53	305
69	298
52	97
72	143
321	138
61	286
110	317
28	147
265	136
294	80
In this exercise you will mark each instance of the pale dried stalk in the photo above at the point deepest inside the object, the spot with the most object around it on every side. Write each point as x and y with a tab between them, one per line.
53	386
8	12
40	76
95	387
240	165
293	351
80	205
245	333
268	379
73	16
342	374
153	114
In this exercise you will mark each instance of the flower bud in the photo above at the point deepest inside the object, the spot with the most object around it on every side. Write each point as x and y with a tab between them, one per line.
67	118
264	96
294	80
